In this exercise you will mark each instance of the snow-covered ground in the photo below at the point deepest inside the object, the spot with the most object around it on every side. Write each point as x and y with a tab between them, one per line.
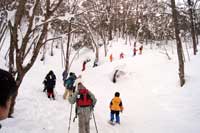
152	99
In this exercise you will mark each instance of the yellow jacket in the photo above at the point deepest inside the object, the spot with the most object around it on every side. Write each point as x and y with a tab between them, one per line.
116	104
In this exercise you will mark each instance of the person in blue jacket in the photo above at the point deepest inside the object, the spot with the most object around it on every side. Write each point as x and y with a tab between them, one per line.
69	85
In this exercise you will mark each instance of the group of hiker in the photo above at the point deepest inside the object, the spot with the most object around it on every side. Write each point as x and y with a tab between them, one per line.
122	55
77	93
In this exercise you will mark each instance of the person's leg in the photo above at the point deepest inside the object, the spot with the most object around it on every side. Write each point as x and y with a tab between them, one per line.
53	95
112	115
87	120
81	121
65	94
117	117
48	94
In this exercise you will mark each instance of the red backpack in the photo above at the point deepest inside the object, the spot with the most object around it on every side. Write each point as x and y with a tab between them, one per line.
84	99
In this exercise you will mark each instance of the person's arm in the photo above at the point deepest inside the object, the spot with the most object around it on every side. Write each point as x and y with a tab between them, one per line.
121	106
94	100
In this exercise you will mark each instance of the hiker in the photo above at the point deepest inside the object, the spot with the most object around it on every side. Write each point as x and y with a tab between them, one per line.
115	76
50	82
115	107
69	85
121	56
134	51
95	63
111	58
140	49
85	102
84	65
7	91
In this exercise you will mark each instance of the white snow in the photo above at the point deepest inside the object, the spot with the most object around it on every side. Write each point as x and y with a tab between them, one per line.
152	98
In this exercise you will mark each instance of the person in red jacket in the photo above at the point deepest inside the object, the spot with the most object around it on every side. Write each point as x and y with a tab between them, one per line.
116	107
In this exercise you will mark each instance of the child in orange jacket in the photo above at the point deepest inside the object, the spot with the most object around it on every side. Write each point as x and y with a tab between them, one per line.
116	107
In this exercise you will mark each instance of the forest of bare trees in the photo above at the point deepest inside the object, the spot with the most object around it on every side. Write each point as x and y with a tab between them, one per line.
34	24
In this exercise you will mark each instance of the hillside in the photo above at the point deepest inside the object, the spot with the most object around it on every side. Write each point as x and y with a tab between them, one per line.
153	101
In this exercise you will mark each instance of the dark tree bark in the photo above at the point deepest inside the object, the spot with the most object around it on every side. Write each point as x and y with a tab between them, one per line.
179	45
191	13
19	50
68	45
109	20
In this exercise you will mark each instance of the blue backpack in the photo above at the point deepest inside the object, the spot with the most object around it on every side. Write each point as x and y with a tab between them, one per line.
70	82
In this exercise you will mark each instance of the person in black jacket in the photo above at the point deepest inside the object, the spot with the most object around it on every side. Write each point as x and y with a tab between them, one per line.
50	82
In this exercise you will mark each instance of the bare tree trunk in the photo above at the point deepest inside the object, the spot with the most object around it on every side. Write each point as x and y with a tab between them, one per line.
179	45
68	45
18	49
191	13
109	20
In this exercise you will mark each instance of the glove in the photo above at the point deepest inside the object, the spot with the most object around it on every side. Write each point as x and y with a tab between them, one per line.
92	107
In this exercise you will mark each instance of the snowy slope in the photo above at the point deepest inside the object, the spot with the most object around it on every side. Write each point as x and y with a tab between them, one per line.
153	101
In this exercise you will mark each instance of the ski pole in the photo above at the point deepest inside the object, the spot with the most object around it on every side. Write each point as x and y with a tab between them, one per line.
75	114
95	122
70	118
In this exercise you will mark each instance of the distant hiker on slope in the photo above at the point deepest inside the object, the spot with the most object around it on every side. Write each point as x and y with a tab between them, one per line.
111	57
69	85
84	64
121	56
115	76
85	102
50	82
95	63
140	49
134	51
116	107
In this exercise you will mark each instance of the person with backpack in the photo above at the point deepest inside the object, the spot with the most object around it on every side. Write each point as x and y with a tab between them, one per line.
50	82
115	108
69	85
85	102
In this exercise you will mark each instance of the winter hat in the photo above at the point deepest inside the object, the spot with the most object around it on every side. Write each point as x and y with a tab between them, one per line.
117	94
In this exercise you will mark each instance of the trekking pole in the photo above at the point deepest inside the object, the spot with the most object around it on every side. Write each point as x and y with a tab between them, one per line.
70	117
95	122
75	114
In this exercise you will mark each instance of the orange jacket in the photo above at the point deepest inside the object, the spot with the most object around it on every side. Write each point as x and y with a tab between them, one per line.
111	58
116	104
